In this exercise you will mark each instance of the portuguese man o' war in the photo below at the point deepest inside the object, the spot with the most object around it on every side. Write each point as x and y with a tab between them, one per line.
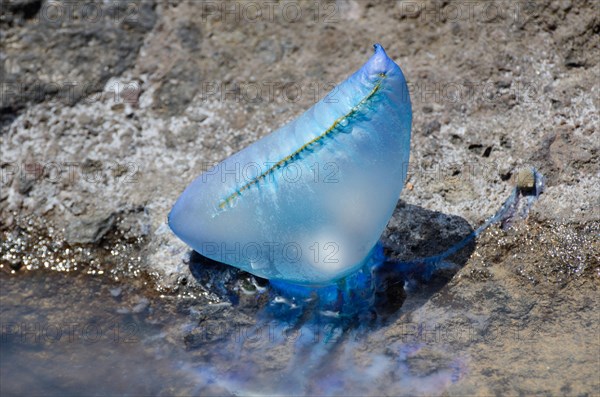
308	203
305	206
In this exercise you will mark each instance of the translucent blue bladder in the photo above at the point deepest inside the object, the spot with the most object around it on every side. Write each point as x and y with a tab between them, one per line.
308	203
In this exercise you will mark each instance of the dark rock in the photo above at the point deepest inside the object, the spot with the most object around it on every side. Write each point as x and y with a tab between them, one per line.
15	12
415	232
190	35
82	52
178	88
432	127
89	230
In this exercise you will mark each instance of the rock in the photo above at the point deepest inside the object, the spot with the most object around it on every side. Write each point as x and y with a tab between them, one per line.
17	11
89	230
431	127
81	55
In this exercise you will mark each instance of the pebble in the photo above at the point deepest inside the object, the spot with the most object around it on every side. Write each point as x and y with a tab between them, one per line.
525	179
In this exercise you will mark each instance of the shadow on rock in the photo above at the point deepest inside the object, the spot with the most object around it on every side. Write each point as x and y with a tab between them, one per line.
413	239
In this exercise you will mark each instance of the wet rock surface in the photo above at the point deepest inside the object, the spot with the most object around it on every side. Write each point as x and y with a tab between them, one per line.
89	176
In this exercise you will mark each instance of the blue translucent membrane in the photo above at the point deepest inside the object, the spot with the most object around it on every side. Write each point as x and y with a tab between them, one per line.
308	203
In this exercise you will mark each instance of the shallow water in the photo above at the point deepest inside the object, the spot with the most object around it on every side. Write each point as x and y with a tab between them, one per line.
51	346
114	341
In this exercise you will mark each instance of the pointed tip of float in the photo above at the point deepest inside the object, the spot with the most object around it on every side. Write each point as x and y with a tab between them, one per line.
380	63
379	52
378	48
